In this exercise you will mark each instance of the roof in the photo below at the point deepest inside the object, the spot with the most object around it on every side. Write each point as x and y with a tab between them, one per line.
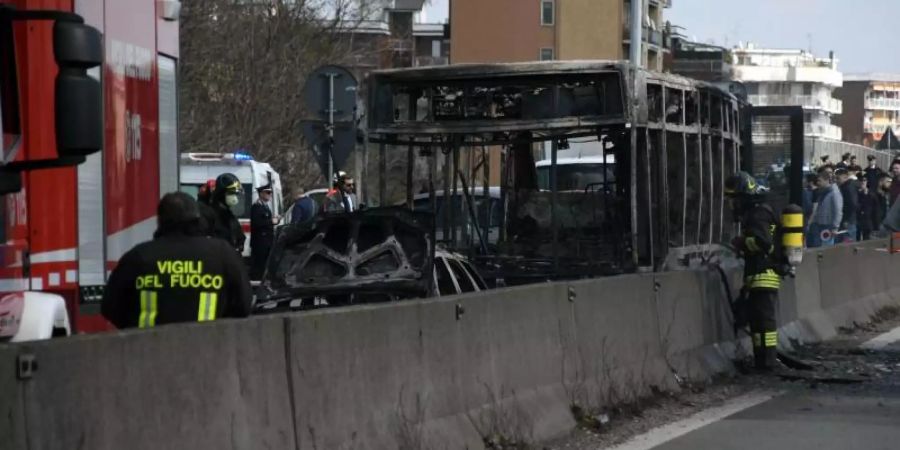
428	29
487	70
493	192
879	76
407	5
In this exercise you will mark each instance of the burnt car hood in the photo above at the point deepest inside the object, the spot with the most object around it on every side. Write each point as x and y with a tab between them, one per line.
378	250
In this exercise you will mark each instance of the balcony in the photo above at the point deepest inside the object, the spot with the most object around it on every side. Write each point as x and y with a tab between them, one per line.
831	105
653	37
782	74
422	61
892	104
879	127
823	130
778	133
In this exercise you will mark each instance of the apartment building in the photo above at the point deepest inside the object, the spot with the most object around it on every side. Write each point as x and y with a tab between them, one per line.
538	30
384	36
432	44
778	77
871	106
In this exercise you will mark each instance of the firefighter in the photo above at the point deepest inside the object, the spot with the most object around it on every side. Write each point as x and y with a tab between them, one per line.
179	276
227	195
262	231
204	200
759	225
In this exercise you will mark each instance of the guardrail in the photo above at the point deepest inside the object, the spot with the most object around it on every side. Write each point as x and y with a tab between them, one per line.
445	372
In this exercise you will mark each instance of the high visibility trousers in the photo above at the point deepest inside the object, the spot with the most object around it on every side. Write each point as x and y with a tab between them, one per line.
763	326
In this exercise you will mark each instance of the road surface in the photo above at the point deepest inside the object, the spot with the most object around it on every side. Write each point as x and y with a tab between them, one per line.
851	400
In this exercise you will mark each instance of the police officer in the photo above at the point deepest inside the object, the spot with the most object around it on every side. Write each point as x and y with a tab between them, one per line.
262	231
179	276
756	245
227	195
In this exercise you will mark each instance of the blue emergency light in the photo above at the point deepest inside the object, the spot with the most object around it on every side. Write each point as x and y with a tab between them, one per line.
241	156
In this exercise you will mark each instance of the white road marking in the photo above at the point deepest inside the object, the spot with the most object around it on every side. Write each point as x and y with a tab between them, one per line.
881	341
703	418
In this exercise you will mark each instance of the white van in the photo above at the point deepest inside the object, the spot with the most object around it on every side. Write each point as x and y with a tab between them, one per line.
579	174
198	168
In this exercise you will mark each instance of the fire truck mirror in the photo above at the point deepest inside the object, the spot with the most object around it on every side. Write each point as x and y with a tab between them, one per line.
79	120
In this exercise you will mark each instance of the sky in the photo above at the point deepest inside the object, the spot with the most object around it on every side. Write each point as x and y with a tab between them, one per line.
864	34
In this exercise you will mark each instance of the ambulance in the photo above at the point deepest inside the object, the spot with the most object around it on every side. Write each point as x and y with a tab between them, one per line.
198	168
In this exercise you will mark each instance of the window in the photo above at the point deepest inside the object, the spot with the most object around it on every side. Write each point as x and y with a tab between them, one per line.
436	48
168	125
547	12
10	128
465	283
807	88
578	177
475	276
444	281
546	54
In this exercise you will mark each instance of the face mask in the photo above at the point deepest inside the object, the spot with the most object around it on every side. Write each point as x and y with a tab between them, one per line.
232	200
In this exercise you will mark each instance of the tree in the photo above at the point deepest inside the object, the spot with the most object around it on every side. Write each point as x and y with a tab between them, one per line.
243	67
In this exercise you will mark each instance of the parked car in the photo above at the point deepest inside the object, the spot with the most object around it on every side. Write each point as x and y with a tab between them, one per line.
422	202
579	174
318	196
370	256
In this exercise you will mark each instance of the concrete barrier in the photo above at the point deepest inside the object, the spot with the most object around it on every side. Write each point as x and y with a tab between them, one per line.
13	434
196	386
442	373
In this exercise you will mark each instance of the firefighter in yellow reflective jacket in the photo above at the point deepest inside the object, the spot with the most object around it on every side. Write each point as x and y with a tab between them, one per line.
179	276
756	245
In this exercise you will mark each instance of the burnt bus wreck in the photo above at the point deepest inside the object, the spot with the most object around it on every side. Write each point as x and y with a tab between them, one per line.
654	199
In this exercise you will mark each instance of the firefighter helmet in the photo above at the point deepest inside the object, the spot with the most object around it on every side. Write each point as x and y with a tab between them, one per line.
227	183
742	183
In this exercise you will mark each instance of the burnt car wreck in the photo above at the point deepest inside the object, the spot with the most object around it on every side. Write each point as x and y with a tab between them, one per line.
375	255
665	144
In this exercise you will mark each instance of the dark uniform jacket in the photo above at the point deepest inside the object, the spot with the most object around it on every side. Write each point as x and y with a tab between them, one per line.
759	226
227	227
262	230
177	278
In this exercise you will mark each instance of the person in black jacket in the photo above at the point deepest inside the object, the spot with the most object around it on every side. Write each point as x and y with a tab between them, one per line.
227	195
262	232
204	200
866	213
850	193
179	276
873	173
883	201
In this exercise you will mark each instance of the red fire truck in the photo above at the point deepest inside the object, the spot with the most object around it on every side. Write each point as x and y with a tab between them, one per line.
65	229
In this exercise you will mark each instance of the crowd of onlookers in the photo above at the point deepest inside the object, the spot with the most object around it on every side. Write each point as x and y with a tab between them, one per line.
844	202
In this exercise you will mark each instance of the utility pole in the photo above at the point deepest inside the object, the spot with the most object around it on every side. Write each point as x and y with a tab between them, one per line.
636	32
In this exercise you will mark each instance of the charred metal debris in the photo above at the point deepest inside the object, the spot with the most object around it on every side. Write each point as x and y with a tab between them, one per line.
665	144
